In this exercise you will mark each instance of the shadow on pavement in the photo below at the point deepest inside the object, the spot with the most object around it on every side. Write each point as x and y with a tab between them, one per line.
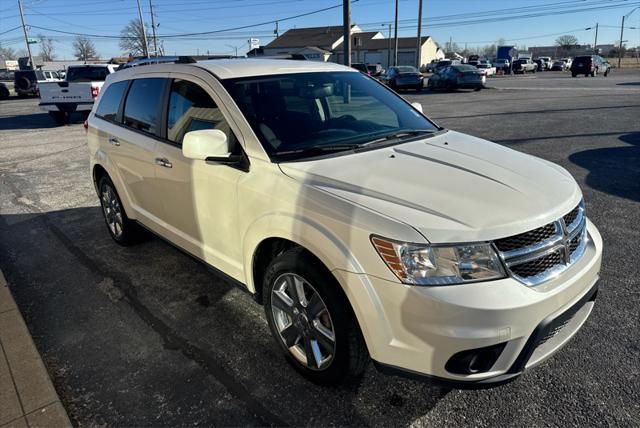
628	84
34	121
146	335
613	170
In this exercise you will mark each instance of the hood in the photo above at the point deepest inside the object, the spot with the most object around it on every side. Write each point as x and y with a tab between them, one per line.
451	187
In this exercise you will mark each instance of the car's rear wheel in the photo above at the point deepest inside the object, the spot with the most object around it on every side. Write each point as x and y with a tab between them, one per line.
4	92
573	74
311	319
123	230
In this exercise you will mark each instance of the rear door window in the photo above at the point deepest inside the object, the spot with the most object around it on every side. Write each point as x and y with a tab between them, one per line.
110	101
142	107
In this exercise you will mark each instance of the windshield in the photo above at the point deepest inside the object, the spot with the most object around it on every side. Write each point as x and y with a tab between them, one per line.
292	113
87	74
407	69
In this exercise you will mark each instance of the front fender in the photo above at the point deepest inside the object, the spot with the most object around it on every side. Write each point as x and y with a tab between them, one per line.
319	240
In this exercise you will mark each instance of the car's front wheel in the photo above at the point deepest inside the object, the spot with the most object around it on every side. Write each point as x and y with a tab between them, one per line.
311	319
123	230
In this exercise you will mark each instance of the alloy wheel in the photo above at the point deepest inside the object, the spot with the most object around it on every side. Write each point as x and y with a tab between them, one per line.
303	321
112	210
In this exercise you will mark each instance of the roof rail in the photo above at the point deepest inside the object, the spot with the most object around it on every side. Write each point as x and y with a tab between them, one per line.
158	60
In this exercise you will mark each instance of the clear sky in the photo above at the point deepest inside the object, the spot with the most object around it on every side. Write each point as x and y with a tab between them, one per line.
478	22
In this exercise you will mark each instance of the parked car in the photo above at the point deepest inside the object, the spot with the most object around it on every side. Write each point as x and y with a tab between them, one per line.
4	91
429	68
524	65
403	77
559	65
487	68
360	67
365	230
375	70
26	82
446	63
590	65
567	61
548	61
502	64
457	77
76	93
541	64
7	75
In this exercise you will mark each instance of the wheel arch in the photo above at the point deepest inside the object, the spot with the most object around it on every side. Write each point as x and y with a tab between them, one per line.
262	243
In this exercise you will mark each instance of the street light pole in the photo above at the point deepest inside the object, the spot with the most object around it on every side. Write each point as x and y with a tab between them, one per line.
153	27
395	36
26	36
620	46
622	33
595	42
145	46
346	37
419	37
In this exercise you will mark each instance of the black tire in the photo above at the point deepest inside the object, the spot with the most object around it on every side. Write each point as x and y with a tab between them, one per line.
573	74
350	357
59	117
606	73
477	89
4	92
130	233
587	74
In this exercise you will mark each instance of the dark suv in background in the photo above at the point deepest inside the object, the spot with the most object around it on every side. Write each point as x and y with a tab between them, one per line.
590	65
26	82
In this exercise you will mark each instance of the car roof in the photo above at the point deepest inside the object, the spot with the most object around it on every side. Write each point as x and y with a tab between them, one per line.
247	67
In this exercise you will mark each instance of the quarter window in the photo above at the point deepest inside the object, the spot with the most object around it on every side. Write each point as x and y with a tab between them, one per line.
110	101
142	106
192	109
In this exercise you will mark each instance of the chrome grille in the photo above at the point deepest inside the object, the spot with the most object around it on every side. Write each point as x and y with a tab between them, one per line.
540	254
528	238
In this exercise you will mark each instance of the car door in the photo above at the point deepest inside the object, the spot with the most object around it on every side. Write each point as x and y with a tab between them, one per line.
132	148
200	197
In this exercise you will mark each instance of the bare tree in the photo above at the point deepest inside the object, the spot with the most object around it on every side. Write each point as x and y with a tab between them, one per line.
46	48
8	53
84	49
132	38
567	41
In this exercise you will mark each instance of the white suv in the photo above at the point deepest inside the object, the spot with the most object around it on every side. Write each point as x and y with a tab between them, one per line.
367	231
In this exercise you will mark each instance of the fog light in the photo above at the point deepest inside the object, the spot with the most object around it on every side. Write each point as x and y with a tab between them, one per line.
473	361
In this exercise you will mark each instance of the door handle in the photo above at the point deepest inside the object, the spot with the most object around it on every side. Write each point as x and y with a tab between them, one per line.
114	141
164	162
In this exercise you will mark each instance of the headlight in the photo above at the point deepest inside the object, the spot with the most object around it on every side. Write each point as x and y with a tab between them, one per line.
422	264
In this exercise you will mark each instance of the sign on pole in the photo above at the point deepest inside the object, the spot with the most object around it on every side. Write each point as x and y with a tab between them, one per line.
254	44
32	40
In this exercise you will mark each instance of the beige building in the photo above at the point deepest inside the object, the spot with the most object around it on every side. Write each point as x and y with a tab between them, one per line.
325	44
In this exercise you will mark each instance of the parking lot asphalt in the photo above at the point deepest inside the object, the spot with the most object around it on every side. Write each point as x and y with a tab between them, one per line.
147	336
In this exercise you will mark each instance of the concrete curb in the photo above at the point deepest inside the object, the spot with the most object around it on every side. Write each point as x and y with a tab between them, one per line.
27	396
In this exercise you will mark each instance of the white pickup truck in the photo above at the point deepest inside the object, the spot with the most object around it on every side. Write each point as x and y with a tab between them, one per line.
76	93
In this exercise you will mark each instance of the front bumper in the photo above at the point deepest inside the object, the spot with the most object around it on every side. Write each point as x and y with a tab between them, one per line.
416	330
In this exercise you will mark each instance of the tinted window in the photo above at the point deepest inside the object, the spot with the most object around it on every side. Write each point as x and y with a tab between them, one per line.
192	109
407	69
141	109
464	68
293	112
110	101
87	74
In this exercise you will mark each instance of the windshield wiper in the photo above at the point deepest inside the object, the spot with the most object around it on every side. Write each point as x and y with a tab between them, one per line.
398	135
320	149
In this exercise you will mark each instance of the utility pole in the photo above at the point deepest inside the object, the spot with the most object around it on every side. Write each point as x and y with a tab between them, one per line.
144	32
153	27
395	36
346	22
389	50
419	47
595	42
26	36
620	47
276	31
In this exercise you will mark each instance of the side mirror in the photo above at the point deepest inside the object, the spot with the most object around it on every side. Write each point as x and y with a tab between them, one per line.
205	144
417	106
